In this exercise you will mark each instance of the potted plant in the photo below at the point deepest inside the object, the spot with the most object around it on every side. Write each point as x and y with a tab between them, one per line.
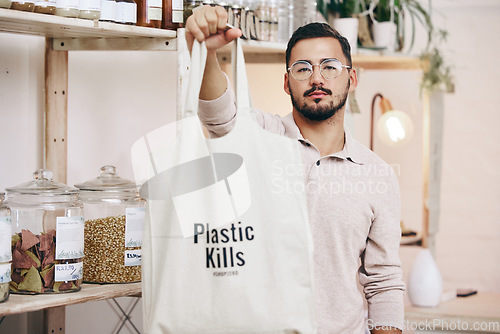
391	15
343	16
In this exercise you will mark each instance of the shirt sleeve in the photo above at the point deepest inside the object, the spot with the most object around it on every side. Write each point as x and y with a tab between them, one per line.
380	273
219	115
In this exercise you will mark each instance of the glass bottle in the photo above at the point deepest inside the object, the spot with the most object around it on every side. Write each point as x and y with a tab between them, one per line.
114	218
45	7
126	12
172	14
48	236
149	13
262	13
5	251
5	3
188	7
108	11
90	9
273	21
24	5
68	8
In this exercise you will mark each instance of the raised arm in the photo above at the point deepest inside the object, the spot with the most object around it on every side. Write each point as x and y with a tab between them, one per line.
209	24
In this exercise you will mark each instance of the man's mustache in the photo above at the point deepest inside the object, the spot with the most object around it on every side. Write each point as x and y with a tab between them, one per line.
315	88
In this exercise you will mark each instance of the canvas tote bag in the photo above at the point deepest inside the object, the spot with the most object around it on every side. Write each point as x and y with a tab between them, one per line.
227	246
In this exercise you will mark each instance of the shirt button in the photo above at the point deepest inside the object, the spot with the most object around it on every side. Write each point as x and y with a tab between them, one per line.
318	163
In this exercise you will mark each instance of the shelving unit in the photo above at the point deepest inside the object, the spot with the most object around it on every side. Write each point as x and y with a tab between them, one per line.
89	292
67	34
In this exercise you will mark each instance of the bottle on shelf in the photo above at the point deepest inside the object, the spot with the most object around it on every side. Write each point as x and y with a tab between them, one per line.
45	7
172	14
5	3
262	13
108	11
68	8
149	13
273	21
24	5
126	12
90	9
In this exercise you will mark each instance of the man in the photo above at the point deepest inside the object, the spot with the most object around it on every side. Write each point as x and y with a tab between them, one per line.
353	196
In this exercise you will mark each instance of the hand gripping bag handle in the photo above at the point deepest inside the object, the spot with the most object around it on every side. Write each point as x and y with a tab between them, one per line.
198	61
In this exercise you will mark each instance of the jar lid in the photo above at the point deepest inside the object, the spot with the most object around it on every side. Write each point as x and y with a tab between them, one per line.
108	181
42	183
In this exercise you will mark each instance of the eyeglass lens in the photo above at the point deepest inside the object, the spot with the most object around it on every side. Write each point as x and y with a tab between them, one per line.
329	68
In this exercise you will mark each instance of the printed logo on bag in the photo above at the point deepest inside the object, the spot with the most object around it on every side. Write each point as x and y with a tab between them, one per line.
221	244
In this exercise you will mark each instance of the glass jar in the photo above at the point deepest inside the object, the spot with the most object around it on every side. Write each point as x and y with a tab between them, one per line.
108	11
149	13
5	3
68	8
114	218
45	7
48	239
126	12
90	9
26	6
5	251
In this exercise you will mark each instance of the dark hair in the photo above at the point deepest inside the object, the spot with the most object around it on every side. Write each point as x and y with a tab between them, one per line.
317	30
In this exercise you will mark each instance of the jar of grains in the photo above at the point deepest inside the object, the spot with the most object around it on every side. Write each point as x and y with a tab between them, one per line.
5	251
114	218
48	236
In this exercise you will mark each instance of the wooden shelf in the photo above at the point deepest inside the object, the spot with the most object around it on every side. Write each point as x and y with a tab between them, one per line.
268	52
89	292
14	21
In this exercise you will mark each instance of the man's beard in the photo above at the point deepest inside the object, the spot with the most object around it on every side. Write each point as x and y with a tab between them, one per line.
319	112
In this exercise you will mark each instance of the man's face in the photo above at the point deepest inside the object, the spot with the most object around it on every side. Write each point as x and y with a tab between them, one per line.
316	98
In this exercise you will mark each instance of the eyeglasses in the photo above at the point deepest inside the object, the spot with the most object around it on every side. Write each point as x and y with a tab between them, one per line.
329	68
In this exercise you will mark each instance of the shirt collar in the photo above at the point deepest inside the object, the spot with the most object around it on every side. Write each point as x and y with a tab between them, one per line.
351	150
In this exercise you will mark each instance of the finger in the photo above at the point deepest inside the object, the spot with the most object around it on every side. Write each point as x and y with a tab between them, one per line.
193	29
222	18
232	34
202	25
212	21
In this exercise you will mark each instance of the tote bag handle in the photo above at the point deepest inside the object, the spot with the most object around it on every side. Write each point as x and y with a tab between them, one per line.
195	78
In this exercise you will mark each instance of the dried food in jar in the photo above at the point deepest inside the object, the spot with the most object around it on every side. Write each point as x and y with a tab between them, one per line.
26	6
107	259
34	265
45	7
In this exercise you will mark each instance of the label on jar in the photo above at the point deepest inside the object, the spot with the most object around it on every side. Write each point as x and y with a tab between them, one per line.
68	272
94	5
5	272
133	258
177	11
108	11
69	237
68	4
134	222
126	12
154	10
5	239
154	13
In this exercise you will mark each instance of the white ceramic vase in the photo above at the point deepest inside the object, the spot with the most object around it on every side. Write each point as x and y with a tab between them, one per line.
384	35
425	285
348	27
